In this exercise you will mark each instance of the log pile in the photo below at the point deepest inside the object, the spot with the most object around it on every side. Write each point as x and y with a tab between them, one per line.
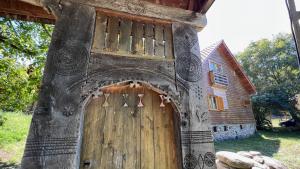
246	160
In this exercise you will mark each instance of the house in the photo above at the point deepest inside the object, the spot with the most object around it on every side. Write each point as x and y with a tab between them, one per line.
228	91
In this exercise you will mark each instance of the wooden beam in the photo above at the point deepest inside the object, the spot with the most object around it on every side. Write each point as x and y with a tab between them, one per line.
147	9
24	11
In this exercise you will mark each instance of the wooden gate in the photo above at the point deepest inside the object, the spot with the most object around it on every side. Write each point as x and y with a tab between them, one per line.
130	128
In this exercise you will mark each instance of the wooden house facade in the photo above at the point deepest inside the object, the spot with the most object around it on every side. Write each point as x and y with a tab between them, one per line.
228	92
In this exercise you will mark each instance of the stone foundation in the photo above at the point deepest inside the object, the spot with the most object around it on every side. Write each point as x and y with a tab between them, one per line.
232	131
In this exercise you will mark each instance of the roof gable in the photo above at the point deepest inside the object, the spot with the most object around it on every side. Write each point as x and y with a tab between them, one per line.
224	51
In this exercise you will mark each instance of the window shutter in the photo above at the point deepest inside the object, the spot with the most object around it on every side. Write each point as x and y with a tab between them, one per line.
221	103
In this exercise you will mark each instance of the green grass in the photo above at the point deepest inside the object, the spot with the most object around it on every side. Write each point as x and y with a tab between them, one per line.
282	145
13	136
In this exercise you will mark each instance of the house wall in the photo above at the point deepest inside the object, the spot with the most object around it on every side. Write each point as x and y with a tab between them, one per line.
237	114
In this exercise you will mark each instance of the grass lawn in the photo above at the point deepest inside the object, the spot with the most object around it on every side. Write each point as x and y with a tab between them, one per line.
282	145
13	136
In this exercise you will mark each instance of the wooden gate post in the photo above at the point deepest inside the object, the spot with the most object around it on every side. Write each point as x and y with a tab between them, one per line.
196	137
54	136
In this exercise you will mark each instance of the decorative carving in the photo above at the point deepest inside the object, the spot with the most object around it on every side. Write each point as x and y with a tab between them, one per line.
105	104
69	110
162	98
140	100
125	97
96	94
188	67
209	159
136	7
50	147
72	59
196	137
190	161
200	161
134	84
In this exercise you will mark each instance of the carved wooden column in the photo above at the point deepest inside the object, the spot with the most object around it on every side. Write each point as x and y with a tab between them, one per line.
196	137
54	137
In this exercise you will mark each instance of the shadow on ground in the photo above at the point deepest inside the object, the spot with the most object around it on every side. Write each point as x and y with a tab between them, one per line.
8	166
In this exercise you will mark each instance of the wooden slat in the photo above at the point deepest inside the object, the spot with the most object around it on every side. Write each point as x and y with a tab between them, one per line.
149	37
137	38
112	36
125	33
168	42
100	31
159	38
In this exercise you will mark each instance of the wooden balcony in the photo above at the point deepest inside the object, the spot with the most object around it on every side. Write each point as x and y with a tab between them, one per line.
218	79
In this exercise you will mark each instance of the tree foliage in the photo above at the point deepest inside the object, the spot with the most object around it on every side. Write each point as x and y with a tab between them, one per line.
272	67
23	53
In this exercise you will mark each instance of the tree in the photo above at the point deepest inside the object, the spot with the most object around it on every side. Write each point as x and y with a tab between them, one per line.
23	53
272	67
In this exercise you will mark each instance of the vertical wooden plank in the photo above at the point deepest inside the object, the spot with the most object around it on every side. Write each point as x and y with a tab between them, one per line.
149	37
117	130
137	38
129	130
159	41
112	34
147	142
107	151
159	147
138	130
168	42
100	32
125	33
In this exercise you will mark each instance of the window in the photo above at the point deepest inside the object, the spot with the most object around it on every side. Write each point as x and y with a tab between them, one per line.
216	68
221	93
225	128
215	129
241	127
215	103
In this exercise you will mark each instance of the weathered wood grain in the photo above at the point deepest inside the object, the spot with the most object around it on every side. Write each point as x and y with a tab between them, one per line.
159	41
112	34
149	37
128	139
168	42
147	9
125	33
137	38
100	32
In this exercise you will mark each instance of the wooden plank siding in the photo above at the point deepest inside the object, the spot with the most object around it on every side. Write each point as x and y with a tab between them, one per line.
236	93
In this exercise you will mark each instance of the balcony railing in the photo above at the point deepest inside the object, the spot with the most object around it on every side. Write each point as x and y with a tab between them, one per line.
218	79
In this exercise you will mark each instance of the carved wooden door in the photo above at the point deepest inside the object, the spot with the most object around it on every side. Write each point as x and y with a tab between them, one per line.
128	128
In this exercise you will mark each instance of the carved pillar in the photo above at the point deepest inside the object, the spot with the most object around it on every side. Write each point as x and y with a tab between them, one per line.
196	137
54	136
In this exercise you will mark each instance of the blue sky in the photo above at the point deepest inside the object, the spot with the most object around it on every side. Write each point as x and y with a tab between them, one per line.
239	22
